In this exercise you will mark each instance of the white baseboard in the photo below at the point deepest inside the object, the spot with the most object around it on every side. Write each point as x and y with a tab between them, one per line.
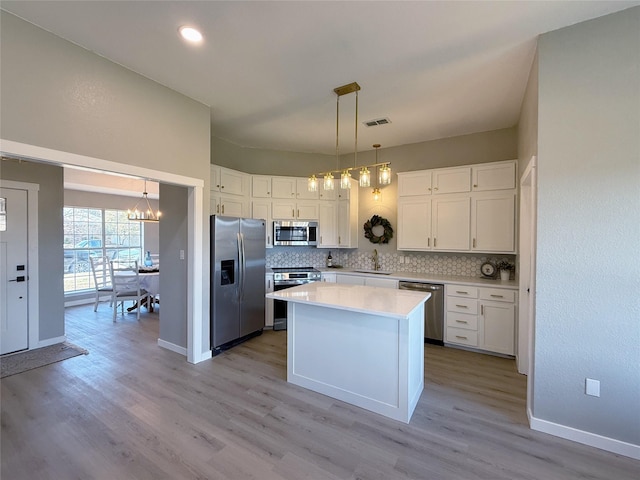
50	341
82	301
172	346
586	438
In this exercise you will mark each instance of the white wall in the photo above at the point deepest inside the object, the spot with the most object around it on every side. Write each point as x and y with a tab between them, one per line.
588	269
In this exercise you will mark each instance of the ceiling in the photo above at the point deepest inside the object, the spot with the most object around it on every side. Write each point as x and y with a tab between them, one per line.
268	69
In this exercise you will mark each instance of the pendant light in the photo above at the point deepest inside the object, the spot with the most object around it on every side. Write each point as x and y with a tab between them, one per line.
147	215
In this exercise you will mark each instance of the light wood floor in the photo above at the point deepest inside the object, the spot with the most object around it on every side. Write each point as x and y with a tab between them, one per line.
132	410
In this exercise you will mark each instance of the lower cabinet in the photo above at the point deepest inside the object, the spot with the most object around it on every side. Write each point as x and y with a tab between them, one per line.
368	280
328	277
481	317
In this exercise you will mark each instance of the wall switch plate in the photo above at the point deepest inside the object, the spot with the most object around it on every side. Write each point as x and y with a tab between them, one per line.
592	387
181	254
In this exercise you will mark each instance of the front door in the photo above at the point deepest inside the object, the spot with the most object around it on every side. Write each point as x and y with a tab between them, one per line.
14	325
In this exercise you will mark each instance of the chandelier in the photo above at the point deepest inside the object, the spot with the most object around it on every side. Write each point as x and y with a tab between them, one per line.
142	215
384	173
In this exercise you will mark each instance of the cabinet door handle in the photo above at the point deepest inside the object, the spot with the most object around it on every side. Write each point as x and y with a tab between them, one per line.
474	243
434	242
429	188
268	283
217	208
435	188
293	212
497	296
463	338
223	208
298	213
475	186
462	306
481	309
460	291
221	186
461	321
339	240
428	241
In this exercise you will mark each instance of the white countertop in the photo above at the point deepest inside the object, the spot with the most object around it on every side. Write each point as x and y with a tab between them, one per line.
431	278
386	302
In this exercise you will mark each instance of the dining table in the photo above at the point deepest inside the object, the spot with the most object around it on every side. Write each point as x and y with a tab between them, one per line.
150	281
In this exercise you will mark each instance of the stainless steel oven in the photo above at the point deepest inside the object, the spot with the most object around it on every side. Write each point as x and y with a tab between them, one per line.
286	277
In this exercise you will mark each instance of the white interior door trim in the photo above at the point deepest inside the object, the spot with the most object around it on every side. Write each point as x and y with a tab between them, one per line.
526	340
196	351
32	255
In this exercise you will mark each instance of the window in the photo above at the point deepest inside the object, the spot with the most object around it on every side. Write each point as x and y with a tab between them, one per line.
94	232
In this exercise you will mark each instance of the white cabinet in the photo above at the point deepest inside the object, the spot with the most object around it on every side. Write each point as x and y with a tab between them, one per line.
350	279
327	194
451	223
268	304
372	280
481	317
451	180
214	175
302	190
414	183
414	223
338	220
292	210
292	188
441	210
262	209
283	187
233	182
493	222
228	205
327	224
260	186
494	176
328	277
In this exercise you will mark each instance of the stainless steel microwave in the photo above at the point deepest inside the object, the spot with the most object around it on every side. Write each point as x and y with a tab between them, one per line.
289	233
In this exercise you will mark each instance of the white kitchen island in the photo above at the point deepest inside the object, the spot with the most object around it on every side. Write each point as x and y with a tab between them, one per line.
362	345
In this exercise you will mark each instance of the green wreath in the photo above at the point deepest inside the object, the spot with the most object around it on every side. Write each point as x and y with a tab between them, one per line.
374	222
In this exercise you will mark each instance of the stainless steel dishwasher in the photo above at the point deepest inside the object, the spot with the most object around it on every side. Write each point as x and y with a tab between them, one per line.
433	310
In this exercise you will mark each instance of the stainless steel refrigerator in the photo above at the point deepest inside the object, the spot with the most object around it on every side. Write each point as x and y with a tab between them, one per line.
237	279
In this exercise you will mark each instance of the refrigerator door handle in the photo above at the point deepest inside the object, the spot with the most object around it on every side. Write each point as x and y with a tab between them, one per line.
243	264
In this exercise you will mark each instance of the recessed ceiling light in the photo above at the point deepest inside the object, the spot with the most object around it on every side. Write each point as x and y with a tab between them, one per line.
190	34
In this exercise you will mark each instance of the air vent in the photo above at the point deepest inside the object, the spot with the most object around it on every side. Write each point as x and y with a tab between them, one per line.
378	121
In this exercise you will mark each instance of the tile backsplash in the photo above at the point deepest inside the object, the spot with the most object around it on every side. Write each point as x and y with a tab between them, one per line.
461	264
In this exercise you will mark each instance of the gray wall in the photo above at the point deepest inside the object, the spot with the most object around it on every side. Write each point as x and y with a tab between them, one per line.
588	307
480	147
50	253
60	96
173	277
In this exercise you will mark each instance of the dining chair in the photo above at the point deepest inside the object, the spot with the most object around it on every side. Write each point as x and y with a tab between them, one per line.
101	279
125	279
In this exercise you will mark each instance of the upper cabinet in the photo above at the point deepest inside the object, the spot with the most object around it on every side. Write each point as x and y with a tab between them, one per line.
493	176
414	183
451	180
291	188
232	182
459	209
260	186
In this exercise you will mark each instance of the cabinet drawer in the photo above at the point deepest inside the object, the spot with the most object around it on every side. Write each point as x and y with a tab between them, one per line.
464	337
498	295
462	291
462	305
461	320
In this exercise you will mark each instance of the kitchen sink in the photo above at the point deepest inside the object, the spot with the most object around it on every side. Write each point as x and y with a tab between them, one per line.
375	272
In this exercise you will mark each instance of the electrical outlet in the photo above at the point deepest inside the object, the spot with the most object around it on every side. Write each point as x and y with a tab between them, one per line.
592	387
181	254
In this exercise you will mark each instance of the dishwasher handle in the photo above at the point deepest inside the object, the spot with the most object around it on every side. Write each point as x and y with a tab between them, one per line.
429	287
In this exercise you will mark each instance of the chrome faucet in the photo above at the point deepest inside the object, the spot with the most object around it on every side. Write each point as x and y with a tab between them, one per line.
376	263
